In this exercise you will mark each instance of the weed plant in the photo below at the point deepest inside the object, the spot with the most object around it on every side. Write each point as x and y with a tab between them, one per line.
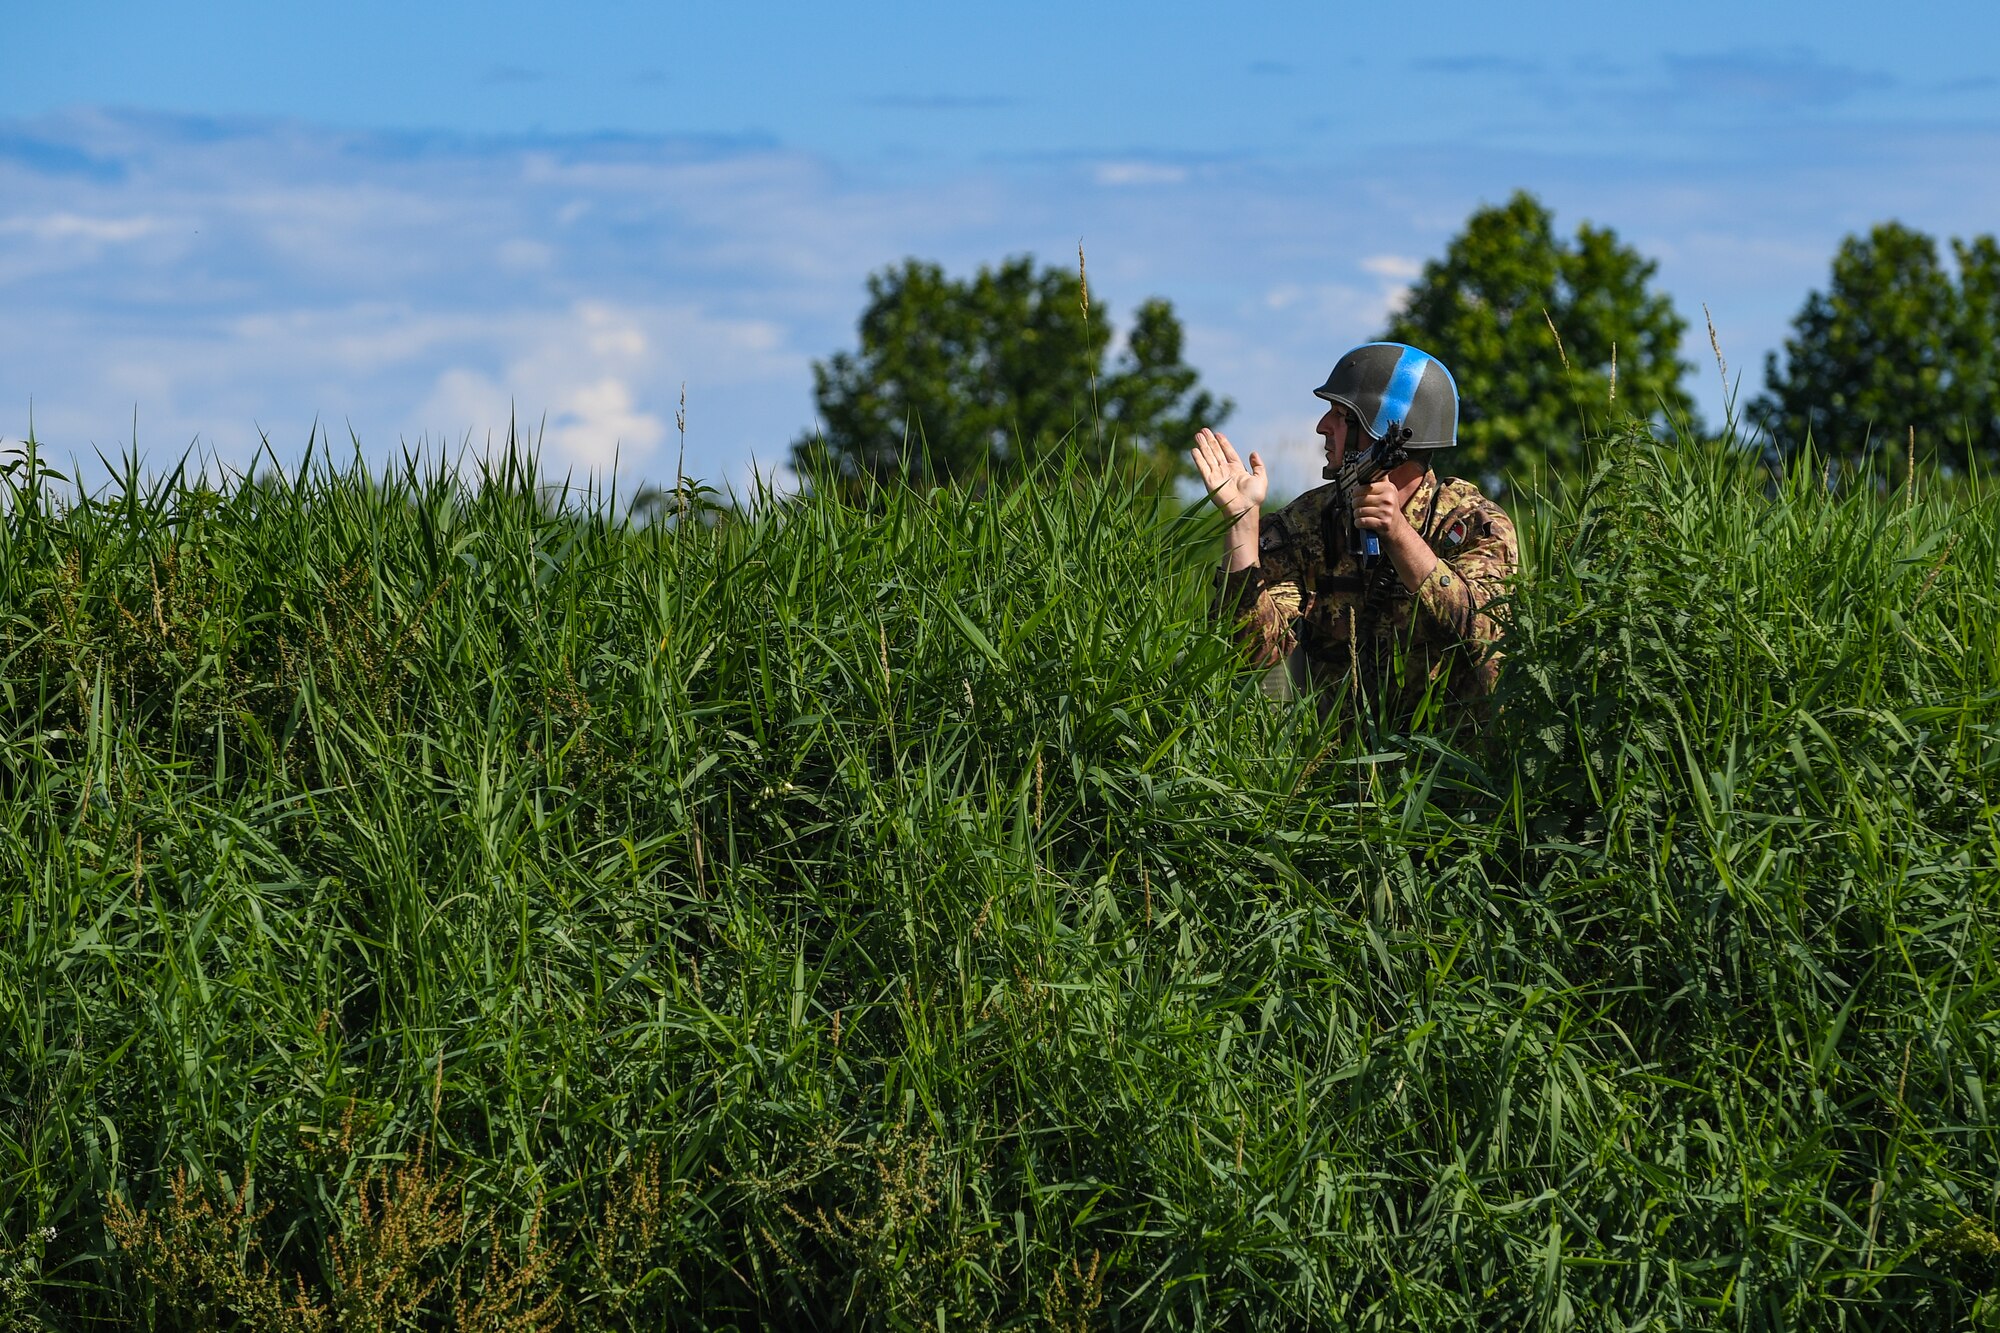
430	905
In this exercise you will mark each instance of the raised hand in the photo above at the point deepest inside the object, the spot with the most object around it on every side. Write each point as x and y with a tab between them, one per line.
1236	490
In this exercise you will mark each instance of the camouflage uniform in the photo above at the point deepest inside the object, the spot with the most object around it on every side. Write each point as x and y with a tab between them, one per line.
1308	601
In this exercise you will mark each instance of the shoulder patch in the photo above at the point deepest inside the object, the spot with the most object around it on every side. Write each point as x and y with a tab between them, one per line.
1271	535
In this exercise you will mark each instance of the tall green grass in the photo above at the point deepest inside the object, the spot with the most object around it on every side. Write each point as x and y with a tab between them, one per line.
426	904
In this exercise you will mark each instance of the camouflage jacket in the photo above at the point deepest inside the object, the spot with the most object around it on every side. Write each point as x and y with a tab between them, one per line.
1308	592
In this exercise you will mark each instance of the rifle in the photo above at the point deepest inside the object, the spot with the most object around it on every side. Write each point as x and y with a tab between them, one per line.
1379	458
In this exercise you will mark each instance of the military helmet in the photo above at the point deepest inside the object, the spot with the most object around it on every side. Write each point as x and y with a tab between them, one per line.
1396	388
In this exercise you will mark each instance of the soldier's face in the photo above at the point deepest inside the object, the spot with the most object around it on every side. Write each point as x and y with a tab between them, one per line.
1332	430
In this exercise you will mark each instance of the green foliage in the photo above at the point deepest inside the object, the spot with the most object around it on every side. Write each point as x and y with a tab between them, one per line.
1492	310
983	378
1975	357
907	911
1894	345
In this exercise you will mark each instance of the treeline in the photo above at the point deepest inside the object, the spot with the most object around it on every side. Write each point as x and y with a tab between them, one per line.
975	379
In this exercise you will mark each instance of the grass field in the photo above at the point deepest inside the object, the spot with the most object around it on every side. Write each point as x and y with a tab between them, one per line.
427	905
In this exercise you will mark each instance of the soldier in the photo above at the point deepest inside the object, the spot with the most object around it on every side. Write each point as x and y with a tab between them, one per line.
1401	626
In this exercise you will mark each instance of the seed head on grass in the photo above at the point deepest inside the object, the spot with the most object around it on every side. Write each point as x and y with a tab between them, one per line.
1557	336
1715	346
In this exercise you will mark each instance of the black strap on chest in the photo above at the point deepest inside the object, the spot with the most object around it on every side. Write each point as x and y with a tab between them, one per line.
1430	514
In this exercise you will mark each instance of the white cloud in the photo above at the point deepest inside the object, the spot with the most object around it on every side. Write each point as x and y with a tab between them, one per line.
596	422
611	334
595	383
1398	268
74	226
586	429
1115	174
1335	305
520	255
572	385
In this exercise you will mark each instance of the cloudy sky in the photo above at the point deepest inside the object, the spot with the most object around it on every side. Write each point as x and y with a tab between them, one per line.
407	222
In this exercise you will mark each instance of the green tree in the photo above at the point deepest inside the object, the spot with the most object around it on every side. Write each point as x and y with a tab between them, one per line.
971	380
1874	356
1975	355
1492	310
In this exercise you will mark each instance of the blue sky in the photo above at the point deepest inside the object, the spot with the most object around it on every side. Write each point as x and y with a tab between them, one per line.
408	220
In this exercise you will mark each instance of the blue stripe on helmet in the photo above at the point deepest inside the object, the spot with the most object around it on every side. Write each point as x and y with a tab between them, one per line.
1402	391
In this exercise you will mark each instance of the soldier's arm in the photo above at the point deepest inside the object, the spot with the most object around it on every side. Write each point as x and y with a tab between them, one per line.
1458	590
1263	600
